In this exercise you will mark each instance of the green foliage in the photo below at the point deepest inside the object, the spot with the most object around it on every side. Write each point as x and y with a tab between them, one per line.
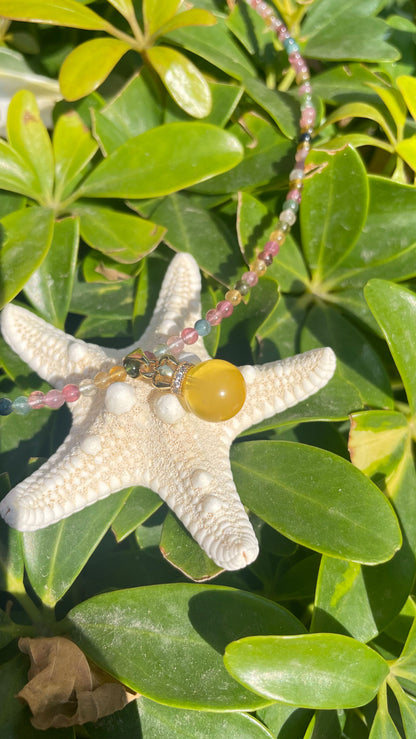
94	200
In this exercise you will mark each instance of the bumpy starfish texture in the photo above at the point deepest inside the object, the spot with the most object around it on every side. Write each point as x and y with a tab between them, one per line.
132	434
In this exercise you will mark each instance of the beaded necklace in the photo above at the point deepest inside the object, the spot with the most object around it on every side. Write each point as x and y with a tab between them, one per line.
213	390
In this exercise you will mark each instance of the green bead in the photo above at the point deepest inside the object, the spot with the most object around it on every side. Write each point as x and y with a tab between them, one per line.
132	366
21	406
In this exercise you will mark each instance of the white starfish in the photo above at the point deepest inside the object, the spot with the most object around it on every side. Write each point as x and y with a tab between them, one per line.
131	434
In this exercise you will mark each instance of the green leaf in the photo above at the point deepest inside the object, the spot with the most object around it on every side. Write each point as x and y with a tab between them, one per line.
11	559
60	12
15	175
87	66
49	288
182	551
29	138
317	499
406	664
73	148
149	720
345	31
66	546
363	110
266	152
137	508
123	236
186	222
363	600
333	210
342	672
279	105
8	629
136	109
217	46
182	79
388	253
394	308
26	236
383	727
156	13
394	103
164	159
360	378
407	87
167	644
407	705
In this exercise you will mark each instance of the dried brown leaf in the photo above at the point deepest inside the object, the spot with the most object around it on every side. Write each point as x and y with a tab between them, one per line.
64	689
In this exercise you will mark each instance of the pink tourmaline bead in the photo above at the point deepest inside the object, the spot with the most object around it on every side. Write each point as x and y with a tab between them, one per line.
189	335
283	33
175	344
36	399
272	248
308	117
71	393
295	195
305	89
214	317
251	278
54	399
225	308
301	154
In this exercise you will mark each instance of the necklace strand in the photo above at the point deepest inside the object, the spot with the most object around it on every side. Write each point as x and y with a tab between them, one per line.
162	367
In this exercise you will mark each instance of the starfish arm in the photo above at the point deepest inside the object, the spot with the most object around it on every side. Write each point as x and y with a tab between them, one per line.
178	306
55	356
198	486
273	387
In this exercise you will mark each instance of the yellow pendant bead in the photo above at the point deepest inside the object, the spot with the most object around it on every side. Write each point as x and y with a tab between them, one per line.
214	390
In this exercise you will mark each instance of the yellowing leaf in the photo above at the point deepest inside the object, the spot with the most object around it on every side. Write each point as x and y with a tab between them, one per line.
87	66
60	12
157	12
407	86
407	150
193	17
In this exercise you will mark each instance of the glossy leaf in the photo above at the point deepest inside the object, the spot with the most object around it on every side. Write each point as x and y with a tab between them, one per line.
182	79
217	46
394	308
381	252
73	148
125	7
137	508
192	17
122	236
185	223
173	625
156	13
60	12
149	720
383	727
49	288
407	150
317	499
333	210
378	440
182	551
136	109
164	159
275	667
26	236
66	547
394	103
29	138
407	87
363	110
87	66
339	31
14	173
